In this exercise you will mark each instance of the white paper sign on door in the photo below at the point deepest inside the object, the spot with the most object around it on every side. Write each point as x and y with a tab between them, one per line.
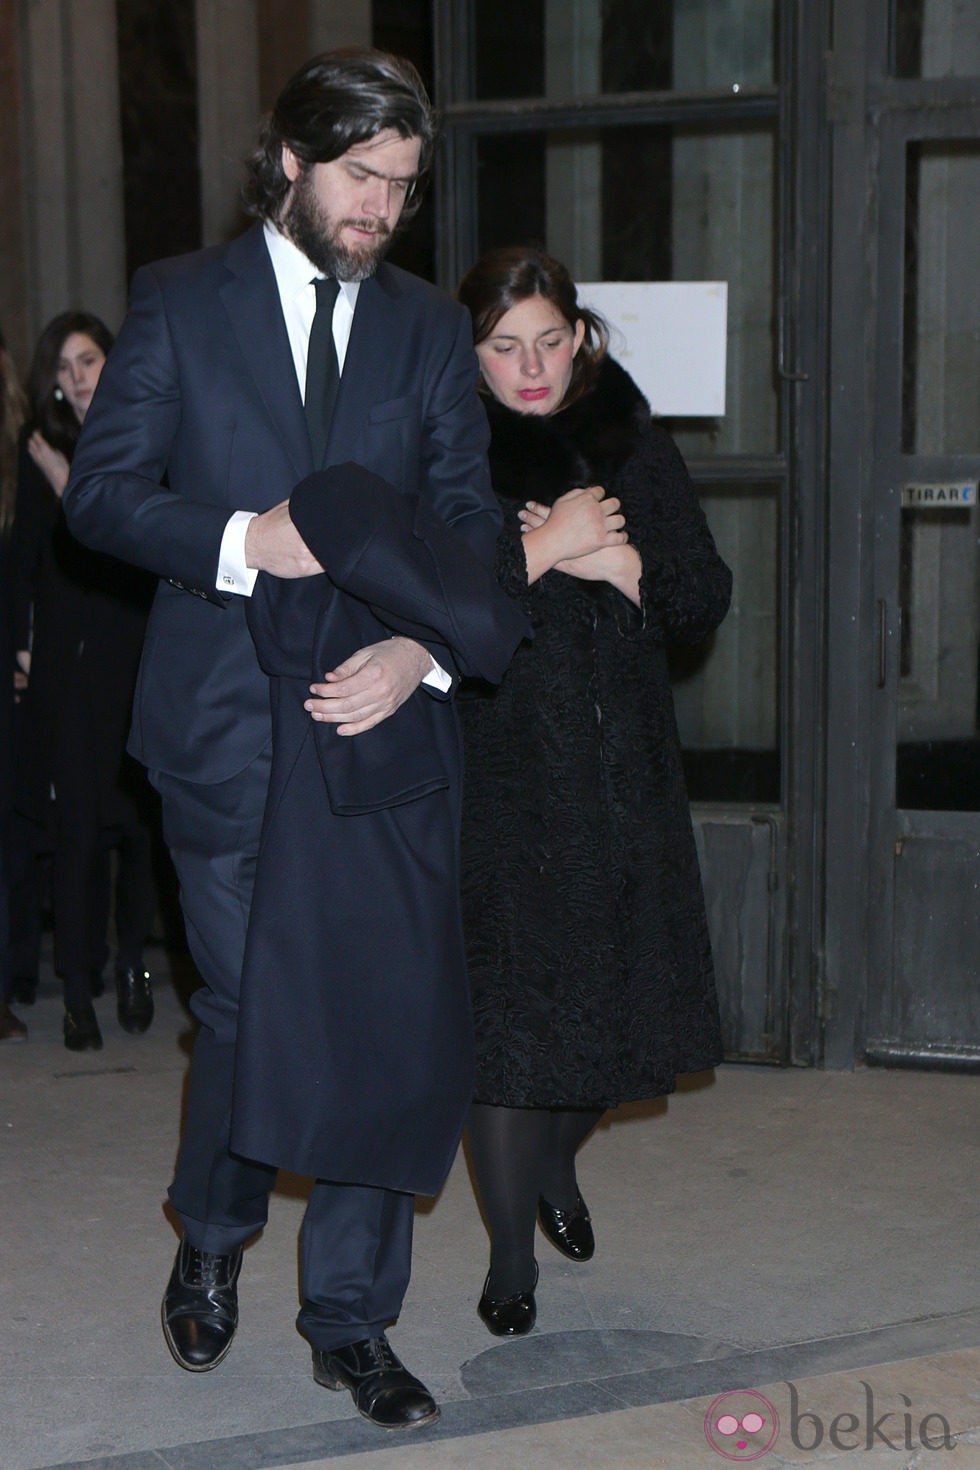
671	337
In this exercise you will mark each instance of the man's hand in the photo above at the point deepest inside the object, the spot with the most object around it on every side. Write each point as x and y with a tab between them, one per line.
273	544
370	685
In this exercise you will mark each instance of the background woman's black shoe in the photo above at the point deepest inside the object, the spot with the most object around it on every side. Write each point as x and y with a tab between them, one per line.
510	1316
82	1030
134	1000
12	1027
570	1231
23	990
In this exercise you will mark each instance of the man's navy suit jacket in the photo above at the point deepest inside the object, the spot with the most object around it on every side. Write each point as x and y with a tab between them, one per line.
199	413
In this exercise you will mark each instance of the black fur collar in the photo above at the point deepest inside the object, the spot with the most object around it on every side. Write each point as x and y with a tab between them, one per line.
536	457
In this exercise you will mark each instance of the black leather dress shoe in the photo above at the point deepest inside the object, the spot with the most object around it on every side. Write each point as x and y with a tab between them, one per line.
82	1030
200	1307
569	1230
510	1316
134	1000
382	1388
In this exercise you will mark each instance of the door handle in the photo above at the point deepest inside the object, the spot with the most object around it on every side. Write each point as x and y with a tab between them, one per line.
882	643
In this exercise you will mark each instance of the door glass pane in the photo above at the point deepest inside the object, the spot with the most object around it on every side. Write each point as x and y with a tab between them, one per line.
726	691
938	758
936	38
567	48
656	203
941	335
405	28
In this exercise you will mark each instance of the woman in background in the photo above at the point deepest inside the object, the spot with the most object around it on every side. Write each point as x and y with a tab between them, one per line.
12	411
587	940
80	623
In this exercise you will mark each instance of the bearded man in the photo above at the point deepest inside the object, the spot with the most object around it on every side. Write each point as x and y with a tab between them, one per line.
239	371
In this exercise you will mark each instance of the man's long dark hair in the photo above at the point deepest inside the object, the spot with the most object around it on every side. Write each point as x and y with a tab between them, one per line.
50	410
335	101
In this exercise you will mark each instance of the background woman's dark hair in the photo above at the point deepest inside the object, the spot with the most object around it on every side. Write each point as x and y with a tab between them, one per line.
501	278
13	411
335	101
54	415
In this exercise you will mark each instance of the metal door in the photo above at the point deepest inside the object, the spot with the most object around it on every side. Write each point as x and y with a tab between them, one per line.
923	998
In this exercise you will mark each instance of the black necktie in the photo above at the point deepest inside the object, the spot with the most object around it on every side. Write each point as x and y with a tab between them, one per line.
322	373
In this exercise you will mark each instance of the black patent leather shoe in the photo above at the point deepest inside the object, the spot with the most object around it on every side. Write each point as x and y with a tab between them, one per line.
82	1030
570	1231
383	1390
134	1000
510	1316
200	1307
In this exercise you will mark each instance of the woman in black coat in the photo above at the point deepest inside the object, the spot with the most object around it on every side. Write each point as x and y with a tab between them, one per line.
80	619
587	940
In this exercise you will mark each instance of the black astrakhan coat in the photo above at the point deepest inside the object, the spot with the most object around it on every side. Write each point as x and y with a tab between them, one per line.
587	942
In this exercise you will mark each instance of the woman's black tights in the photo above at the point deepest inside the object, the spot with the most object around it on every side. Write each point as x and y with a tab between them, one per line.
519	1154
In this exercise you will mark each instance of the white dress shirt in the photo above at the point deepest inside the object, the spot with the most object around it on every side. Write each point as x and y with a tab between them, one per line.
297	294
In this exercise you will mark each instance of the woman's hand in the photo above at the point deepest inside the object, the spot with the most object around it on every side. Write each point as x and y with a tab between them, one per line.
620	566
51	462
579	522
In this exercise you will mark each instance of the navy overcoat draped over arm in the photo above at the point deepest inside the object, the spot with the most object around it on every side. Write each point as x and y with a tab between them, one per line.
355	969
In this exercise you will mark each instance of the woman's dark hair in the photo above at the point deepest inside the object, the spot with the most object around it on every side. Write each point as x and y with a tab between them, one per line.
501	278
335	101
50	410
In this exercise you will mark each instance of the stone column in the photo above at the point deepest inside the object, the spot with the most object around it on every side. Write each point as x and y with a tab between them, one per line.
14	252
73	150
228	109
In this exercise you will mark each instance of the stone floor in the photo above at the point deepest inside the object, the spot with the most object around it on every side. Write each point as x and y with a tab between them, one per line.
798	1245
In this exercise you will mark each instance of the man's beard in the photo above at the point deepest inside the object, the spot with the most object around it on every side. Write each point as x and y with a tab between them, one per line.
311	229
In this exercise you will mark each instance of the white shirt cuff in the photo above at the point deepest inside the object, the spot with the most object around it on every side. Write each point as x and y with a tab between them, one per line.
233	574
437	678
